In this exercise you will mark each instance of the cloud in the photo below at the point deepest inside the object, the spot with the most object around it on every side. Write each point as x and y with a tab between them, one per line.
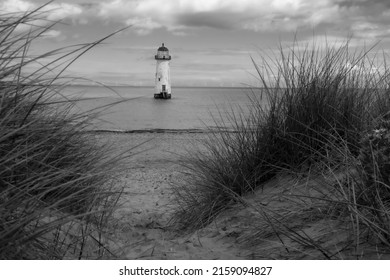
357	17
62	11
52	33
16	6
143	26
52	12
214	19
181	16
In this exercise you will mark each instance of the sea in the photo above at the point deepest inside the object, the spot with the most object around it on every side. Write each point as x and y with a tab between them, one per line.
131	109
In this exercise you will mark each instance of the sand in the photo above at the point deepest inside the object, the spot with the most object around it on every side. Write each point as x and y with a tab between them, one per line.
140	225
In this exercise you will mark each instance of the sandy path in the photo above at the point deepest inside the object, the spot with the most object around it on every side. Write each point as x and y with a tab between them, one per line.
146	207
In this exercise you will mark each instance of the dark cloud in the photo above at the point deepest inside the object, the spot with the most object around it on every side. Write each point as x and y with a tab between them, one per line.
363	3
217	20
89	5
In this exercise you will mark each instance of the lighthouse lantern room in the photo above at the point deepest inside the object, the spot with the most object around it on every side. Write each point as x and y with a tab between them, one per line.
163	78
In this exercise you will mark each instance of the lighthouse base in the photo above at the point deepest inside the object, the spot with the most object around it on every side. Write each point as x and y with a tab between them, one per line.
162	95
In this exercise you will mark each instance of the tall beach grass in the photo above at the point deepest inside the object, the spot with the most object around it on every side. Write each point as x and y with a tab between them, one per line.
57	188
324	106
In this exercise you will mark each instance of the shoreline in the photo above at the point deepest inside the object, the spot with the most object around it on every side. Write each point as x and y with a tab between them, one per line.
163	130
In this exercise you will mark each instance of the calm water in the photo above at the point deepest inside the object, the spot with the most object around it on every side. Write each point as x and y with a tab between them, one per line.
189	108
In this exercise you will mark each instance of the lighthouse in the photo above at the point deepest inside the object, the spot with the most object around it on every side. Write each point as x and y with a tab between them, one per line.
163	78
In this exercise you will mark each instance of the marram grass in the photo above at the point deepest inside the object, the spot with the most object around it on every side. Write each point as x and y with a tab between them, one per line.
321	117
56	181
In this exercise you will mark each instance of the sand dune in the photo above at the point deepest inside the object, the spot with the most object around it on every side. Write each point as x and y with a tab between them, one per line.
140	227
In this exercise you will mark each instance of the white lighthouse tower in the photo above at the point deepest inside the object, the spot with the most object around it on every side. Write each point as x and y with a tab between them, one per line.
163	76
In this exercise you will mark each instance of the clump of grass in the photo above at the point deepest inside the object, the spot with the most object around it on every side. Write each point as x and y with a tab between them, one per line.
56	181
373	195
227	166
317	100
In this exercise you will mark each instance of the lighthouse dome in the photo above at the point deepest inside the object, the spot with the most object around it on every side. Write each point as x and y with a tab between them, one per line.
163	48
162	53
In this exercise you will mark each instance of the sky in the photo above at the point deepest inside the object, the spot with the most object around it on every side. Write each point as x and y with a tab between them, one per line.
211	41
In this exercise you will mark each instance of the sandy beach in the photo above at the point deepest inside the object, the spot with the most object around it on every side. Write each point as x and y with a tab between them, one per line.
140	225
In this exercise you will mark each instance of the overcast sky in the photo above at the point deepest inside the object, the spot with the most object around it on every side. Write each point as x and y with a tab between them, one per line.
210	40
